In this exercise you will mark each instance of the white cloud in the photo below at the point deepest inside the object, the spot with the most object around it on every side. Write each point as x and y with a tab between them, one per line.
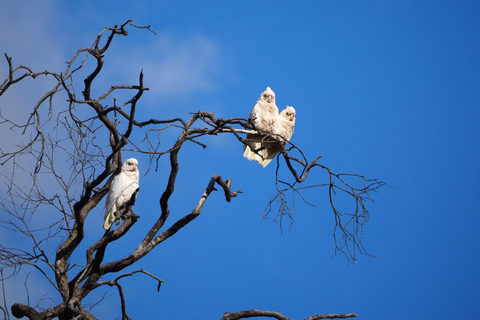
27	34
176	66
28	39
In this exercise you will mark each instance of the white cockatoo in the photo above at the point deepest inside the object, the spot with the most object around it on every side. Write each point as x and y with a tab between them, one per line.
283	132
123	186
263	116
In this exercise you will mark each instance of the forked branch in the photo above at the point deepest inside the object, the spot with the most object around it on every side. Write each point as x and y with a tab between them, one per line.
91	139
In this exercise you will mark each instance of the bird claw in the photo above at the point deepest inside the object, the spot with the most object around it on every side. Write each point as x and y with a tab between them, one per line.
131	216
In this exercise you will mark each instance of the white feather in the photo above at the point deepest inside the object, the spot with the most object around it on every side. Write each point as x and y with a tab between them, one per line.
284	129
263	116
123	186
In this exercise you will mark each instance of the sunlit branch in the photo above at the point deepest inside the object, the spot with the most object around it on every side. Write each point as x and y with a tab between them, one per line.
254	313
69	158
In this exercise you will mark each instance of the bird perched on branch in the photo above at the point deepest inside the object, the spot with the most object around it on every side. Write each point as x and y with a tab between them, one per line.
283	131
275	129
263	116
123	187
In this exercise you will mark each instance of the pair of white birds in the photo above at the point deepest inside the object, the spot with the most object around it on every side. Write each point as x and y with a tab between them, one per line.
264	116
277	127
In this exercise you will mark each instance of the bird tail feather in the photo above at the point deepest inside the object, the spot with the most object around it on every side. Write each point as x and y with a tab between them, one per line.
250	154
267	160
269	155
109	219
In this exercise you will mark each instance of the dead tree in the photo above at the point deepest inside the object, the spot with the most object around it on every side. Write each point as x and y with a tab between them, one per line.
66	163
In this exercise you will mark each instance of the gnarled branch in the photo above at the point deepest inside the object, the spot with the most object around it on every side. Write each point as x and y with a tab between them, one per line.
79	148
254	313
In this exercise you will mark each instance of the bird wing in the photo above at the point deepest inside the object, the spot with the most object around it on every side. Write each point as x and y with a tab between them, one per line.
121	190
264	116
253	145
111	201
283	127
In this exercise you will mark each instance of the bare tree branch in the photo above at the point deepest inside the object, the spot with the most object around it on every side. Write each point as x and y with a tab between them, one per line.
70	154
332	316
254	313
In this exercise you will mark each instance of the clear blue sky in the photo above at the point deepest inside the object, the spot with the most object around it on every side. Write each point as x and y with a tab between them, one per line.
386	89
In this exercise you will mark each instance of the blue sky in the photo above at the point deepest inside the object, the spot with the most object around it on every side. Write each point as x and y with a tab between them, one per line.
390	90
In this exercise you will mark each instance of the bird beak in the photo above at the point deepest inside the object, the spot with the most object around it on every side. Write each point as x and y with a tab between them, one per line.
269	99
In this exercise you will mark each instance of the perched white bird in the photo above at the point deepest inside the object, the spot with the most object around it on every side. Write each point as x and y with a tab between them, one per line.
123	186
263	116
283	132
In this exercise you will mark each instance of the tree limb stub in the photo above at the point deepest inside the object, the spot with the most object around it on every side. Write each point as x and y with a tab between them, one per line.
254	313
